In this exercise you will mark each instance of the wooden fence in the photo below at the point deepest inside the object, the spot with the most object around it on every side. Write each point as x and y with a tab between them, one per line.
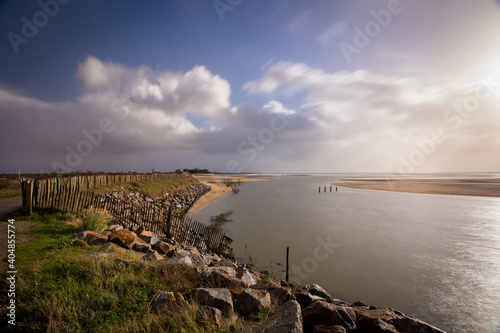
159	220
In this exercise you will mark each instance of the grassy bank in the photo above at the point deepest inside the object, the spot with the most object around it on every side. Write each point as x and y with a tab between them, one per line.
152	188
59	289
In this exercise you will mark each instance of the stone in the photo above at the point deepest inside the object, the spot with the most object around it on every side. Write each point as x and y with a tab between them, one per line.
81	235
314	290
245	275
141	246
139	230
413	325
305	299
133	228
164	301
79	243
219	298
185	260
95	238
210	259
359	304
153	240
324	313
207	315
224	270
279	295
250	301
330	329
163	248
385	314
115	227
225	263
146	236
221	280
153	255
197	260
284	319
123	238
375	325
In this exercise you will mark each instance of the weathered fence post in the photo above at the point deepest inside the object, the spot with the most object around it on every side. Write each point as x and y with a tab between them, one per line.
287	253
169	224
27	189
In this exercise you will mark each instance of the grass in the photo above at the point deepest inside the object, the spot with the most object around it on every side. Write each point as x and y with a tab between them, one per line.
59	289
152	188
9	187
94	220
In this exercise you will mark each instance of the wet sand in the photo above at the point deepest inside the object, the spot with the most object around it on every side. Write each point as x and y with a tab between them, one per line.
486	187
218	189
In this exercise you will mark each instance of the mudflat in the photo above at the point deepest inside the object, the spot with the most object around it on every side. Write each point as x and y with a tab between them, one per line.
486	187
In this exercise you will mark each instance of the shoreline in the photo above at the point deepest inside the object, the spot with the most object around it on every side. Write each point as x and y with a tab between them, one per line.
481	187
218	189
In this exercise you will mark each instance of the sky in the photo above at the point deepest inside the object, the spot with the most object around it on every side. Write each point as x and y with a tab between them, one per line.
272	86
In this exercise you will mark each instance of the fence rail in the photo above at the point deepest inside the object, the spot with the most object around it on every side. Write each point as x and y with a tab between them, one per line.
69	196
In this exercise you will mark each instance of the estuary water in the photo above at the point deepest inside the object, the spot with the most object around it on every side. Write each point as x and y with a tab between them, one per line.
435	257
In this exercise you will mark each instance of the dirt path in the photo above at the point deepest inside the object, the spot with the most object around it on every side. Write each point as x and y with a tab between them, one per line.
8	205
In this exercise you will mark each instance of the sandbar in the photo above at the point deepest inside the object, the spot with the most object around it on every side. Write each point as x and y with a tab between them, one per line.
218	189
486	187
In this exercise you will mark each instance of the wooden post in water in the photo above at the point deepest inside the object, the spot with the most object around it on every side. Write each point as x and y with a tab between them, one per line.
336	189
325	188
319	190
330	188
287	253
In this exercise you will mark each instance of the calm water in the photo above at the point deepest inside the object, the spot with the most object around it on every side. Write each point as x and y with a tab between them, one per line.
434	257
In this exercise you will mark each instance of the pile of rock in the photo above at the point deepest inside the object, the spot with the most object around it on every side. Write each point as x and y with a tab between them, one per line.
228	289
182	199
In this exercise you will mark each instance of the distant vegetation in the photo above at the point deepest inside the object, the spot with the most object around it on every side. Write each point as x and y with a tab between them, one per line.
193	171
9	186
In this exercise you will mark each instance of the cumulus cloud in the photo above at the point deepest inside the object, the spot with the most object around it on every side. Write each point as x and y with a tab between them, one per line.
313	121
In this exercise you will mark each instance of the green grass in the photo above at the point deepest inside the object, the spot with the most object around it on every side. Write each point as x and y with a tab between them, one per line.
96	220
152	188
59	289
10	193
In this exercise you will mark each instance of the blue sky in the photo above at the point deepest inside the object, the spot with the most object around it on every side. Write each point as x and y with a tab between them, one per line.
239	85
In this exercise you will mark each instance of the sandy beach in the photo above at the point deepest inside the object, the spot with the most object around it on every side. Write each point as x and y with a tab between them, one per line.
218	189
487	187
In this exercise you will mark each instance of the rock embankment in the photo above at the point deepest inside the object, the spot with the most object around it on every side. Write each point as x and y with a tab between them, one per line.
228	290
181	199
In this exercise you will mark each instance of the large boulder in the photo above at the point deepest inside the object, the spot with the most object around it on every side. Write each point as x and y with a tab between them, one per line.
95	238
164	248
153	256
279	295
305	299
206	272
221	280
219	298
313	289
284	319
123	238
141	246
164	301
251	301
245	275
413	325
208	315
375	325
324	313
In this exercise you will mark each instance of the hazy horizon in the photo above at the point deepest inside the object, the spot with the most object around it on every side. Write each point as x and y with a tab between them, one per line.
279	86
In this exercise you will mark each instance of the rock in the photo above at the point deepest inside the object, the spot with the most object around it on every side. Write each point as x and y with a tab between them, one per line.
140	230
413	325
185	260
221	280
115	227
359	304
133	228
81	235
197	260
250	301
329	329
224	270
207	315
153	255
164	248
124	238
385	314
279	295
284	319
146	236
321	312
219	298
305	299
167	301
153	240
225	263
210	259
314	290
141	246
375	325
245	275
95	238
112	247
79	243
96	255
